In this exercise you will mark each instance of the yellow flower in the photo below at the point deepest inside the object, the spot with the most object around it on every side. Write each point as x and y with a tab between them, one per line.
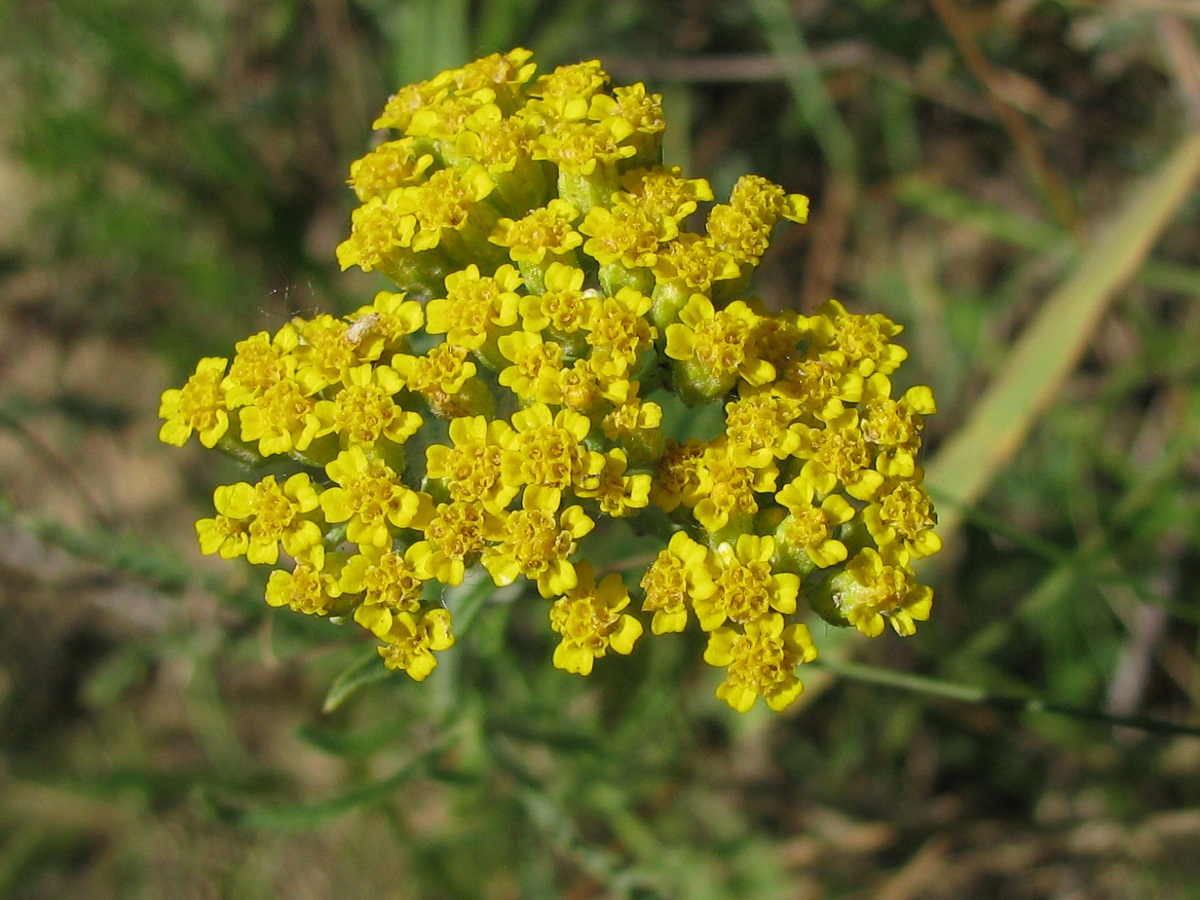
364	411
619	332
276	513
563	307
810	527
902	517
590	620
743	226
692	262
444	205
383	325
565	93
838	455
224	534
536	542
634	415
678	576
324	356
475	307
390	583
411	98
761	662
746	587
446	120
582	387
767	200
306	589
856	343
259	363
410	644
629	110
717	348
470	468
198	406
551	307
501	146
501	73
547	450
281	419
582	148
741	234
380	235
757	426
659	191
873	590
724	492
370	497
543	230
821	390
391	165
625	234
454	539
677	475
778	337
536	367
616	493
894	426
444	377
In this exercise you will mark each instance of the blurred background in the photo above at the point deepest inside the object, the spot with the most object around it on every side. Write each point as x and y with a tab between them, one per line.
172	179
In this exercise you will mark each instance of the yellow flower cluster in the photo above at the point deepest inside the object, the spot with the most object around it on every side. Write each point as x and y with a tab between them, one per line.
554	325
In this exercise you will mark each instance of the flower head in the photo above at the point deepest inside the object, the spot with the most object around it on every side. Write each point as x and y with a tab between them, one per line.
746	587
411	641
476	306
536	541
716	348
198	406
874	590
564	349
761	661
371	498
365	410
591	620
545	230
678	576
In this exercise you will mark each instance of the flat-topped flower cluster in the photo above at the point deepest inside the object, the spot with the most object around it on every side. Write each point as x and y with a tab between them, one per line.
554	321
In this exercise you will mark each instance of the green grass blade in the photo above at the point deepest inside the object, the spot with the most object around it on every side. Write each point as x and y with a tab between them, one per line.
1053	342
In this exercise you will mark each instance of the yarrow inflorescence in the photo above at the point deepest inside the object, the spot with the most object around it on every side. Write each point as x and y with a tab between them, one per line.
531	379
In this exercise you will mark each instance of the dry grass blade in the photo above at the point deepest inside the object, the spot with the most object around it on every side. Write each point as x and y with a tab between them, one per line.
1054	341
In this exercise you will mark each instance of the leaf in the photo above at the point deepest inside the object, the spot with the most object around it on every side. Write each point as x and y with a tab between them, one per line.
302	817
367	669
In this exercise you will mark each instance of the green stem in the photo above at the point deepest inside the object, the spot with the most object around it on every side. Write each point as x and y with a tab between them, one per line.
936	687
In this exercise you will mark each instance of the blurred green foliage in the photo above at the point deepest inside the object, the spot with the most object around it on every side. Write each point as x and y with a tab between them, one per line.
182	167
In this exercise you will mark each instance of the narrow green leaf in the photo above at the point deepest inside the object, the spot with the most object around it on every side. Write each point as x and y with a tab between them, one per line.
367	669
303	817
